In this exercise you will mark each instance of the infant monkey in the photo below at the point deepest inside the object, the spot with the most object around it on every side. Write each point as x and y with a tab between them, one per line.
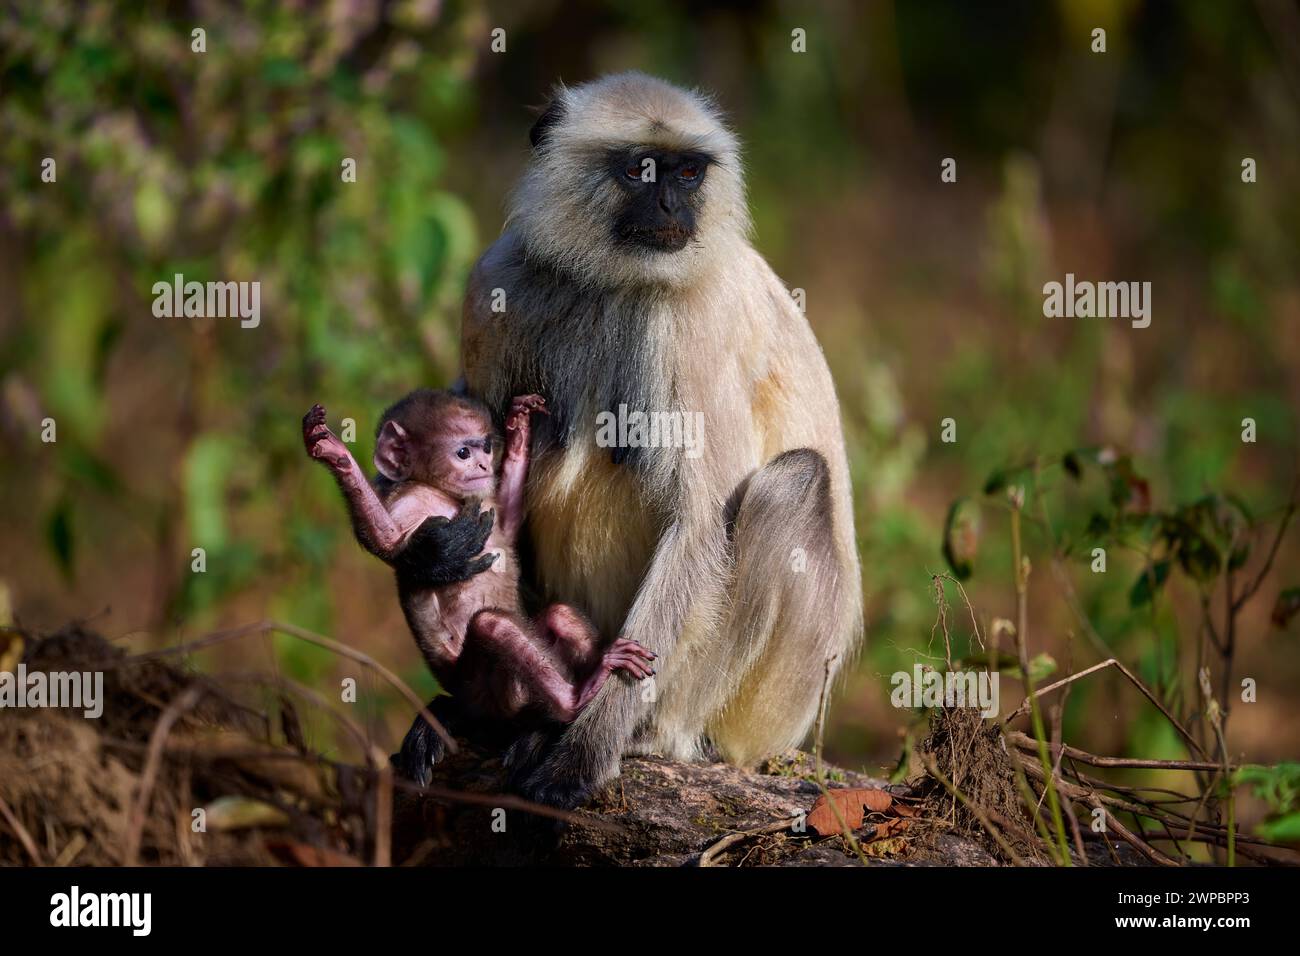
437	453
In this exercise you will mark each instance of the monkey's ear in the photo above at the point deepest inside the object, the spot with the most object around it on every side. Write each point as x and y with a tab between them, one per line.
553	113
393	452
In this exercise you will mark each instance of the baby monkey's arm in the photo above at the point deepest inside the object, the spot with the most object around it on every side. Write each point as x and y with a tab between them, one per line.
514	467
374	526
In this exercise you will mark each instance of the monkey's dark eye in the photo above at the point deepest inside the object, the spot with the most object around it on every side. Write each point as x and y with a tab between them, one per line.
633	171
689	173
487	446
462	453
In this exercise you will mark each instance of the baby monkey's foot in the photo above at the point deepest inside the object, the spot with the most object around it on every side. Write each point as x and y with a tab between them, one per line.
630	656
322	443
521	407
519	423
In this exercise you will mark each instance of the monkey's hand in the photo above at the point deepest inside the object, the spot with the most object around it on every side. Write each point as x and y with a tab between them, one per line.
519	423
323	444
445	551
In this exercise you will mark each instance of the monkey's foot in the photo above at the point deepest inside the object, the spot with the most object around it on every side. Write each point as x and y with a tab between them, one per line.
519	424
631	657
421	749
563	795
569	776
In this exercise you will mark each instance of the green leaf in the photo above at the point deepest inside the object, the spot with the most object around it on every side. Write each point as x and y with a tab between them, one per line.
206	469
1148	583
961	535
1282	830
1041	667
153	212
58	536
1197	556
1286	607
87	468
1129	491
241	813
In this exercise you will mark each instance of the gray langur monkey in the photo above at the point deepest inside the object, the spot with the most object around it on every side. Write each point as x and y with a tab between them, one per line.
628	279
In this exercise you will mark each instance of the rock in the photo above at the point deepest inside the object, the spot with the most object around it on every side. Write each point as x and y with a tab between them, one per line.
656	813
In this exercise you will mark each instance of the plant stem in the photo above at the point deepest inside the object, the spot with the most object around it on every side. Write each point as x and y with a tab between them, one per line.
1022	623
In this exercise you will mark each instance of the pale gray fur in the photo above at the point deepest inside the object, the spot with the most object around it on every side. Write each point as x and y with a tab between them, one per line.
694	557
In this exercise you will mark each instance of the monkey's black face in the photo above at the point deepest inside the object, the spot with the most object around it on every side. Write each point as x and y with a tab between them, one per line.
662	197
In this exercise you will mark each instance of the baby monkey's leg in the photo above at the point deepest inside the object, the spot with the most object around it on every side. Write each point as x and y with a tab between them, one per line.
572	635
510	640
576	638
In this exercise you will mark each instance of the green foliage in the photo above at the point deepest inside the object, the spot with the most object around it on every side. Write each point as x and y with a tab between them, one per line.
926	297
1279	787
227	165
1204	543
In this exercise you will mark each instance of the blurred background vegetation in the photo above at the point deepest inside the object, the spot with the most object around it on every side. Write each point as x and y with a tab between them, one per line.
225	165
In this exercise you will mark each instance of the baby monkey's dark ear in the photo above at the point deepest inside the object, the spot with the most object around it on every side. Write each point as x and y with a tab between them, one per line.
553	113
393	452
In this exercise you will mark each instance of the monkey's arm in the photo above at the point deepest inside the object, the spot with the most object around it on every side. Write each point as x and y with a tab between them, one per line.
514	468
373	525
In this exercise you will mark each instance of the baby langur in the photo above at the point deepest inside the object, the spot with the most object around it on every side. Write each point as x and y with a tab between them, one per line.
436	453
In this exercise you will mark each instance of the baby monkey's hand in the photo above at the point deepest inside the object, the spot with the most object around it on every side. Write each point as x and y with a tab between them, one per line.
321	443
518	422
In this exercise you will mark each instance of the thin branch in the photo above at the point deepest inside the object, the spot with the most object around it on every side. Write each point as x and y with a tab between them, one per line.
265	626
157	741
1112	662
1287	515
1025	742
708	857
20	831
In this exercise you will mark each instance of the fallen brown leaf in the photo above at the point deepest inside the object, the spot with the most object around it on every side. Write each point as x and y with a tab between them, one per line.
304	854
853	803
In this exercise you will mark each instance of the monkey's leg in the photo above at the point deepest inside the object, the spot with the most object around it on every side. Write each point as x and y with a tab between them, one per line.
577	641
509	640
682	587
422	747
749	679
794	612
573	636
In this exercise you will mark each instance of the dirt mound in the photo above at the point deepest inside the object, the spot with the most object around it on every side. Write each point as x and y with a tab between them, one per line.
179	771
125	787
971	756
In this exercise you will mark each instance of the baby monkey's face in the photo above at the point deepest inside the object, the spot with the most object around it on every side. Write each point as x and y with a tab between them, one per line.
464	456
